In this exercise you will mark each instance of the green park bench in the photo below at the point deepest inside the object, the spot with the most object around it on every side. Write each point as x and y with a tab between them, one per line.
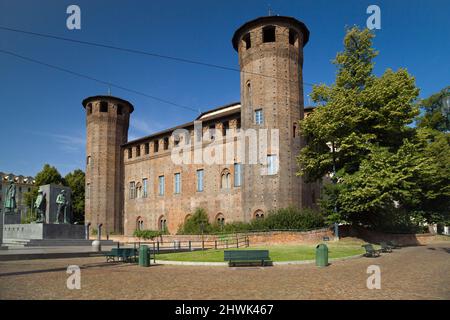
385	247
246	256
121	254
393	244
370	251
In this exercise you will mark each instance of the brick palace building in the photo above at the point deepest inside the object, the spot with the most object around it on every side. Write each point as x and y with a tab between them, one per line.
137	185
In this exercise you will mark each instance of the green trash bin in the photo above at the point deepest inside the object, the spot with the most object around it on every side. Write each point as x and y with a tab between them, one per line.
144	256
322	255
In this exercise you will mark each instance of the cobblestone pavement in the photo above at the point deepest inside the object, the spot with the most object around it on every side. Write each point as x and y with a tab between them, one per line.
408	273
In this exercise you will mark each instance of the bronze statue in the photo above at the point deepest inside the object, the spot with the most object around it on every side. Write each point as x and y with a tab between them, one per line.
40	205
62	203
10	201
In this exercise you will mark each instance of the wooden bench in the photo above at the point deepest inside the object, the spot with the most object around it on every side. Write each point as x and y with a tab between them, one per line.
121	254
385	247
246	256
370	251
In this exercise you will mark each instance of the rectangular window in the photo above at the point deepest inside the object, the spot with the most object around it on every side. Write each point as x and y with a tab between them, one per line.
161	185
269	34
147	148
237	174
88	191
272	164
225	127
144	188
247	41
119	109
177	183
130	153
155	146
200	174
103	106
138	151
132	190
166	143
259	116
212	131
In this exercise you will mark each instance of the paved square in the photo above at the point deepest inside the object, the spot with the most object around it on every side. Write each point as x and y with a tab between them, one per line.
420	272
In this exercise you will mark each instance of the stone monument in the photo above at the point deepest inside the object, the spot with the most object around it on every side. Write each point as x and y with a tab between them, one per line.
54	216
9	207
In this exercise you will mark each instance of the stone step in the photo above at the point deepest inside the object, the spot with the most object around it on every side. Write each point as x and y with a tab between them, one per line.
53	242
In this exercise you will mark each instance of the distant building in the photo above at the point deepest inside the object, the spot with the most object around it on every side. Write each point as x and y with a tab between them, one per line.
23	185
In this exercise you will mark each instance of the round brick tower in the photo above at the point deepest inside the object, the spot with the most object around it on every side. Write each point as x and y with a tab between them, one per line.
107	121
271	62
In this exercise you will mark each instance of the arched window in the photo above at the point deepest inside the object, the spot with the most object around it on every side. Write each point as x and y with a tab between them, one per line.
138	190
294	130
225	179
220	219
139	223
162	223
259	214
248	94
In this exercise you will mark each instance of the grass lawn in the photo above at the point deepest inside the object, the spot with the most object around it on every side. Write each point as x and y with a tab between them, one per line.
277	252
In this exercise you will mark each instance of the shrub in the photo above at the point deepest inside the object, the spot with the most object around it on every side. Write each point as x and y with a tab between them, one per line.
29	218
293	218
147	234
195	223
281	219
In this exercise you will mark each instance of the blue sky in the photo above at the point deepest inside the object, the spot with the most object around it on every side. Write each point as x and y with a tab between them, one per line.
42	120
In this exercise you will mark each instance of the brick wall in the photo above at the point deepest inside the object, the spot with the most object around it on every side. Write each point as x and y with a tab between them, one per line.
377	237
255	238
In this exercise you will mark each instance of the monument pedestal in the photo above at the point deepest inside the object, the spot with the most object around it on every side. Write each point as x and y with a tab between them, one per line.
42	231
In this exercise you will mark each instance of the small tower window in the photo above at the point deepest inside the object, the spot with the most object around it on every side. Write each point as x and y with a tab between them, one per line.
249	94
259	118
247	41
225	127
119	109
89	108
130	153
212	131
138	151
294	130
269	34
293	37
103	106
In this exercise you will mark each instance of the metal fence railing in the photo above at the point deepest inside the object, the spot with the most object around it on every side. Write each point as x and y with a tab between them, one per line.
157	247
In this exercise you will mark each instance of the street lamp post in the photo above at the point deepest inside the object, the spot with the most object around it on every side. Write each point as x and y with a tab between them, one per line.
334	180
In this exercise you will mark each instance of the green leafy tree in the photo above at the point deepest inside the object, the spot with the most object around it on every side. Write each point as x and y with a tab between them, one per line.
358	110
433	116
393	190
389	174
76	181
47	175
